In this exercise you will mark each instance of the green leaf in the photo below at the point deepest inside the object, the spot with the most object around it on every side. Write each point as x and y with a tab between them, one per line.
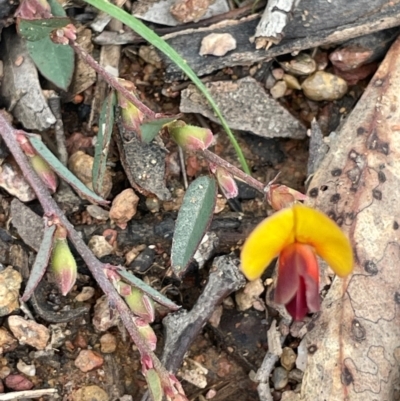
62	171
150	129
154	383
106	125
38	29
159	43
193	220
41	262
55	62
150	291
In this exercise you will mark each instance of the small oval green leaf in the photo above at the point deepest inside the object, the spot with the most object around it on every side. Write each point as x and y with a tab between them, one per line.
193	220
154	383
150	129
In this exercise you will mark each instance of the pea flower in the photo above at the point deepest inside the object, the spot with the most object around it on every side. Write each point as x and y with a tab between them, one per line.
297	234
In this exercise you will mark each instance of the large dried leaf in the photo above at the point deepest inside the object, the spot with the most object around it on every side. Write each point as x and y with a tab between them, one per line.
194	217
354	346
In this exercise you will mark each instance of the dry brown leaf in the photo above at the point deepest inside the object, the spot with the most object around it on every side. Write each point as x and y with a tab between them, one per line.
354	345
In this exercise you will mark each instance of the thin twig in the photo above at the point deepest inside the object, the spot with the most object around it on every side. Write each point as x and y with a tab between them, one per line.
213	158
112	81
18	395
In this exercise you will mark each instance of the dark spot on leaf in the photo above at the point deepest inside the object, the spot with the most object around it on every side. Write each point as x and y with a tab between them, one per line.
371	267
375	143
312	349
336	172
347	377
335	198
313	192
397	297
377	194
323	188
358	330
381	176
384	148
360	131
395	225
350	216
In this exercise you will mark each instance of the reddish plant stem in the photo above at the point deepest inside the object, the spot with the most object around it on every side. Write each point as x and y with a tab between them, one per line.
112	81
97	268
213	158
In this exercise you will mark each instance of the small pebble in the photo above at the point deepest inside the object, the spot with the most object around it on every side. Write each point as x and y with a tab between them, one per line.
290	396
29	332
217	44
108	343
324	86
246	296
278	90
18	382
10	283
90	393
99	246
296	375
81	165
153	204
292	82
28	370
7	341
124	207
288	358
103	319
88	360
85	294
280	378
98	212
4	372
143	261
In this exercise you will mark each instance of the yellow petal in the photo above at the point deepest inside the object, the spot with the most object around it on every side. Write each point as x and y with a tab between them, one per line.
318	230
266	242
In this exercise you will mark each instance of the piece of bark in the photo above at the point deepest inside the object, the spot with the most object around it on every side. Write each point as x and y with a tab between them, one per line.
273	22
182	327
246	106
103	18
20	86
144	163
353	347
159	11
314	23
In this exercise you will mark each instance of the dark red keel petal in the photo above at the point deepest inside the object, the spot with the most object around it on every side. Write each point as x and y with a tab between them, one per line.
297	306
298	280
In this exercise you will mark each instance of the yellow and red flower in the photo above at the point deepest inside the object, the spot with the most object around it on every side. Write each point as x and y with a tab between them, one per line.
297	234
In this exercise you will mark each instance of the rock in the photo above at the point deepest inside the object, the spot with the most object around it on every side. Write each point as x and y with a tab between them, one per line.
103	319
99	246
143	261
7	341
324	86
217	44
10	283
108	343
296	375
98	212
18	382
13	181
279	89
153	204
288	358
290	396
85	294
4	372
29	332
280	378
90	393
88	360
250	293
194	373
246	106
189	10
28	370
291	82
124	207
81	165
